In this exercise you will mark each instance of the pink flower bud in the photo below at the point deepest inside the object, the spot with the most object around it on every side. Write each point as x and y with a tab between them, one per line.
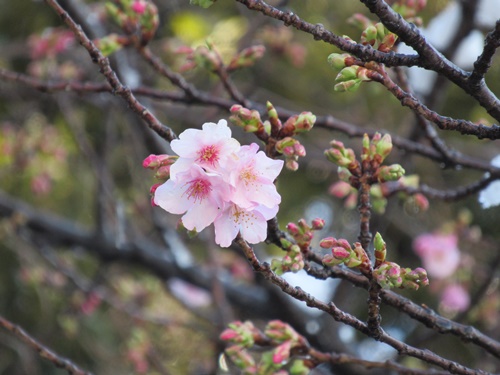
340	189
299	150
293	229
318	224
327	242
340	253
282	352
228	335
139	6
163	173
291	165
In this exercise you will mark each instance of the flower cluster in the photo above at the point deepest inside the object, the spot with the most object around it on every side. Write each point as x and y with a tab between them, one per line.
215	180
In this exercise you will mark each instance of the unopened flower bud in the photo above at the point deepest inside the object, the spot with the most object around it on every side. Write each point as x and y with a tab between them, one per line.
318	224
282	352
240	357
247	57
139	6
384	146
163	173
327	242
248	119
380	249
279	331
390	173
421	201
293	229
369	35
340	189
347	74
338	61
291	165
340	253
299	150
347	86
304	122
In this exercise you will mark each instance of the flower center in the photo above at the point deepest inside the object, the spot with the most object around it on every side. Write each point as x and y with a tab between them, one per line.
248	176
198	189
208	155
242	217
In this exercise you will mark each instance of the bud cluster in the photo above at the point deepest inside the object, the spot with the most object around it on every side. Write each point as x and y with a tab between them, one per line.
377	36
343	253
281	340
391	275
281	133
409	9
302	233
161	164
137	18
344	157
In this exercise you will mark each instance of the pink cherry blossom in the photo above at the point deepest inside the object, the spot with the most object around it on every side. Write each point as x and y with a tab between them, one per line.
251	223
252	173
209	148
194	192
139	6
455	298
439	253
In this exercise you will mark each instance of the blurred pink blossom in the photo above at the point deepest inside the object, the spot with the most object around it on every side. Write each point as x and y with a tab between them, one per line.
439	253
455	298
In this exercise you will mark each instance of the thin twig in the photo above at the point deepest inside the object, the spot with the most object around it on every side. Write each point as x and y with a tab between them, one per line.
42	350
113	80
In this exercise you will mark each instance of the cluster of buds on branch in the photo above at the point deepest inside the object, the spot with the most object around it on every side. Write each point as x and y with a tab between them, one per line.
351	74
374	153
302	233
137	18
282	344
207	57
343	253
161	164
391	275
409	9
278	136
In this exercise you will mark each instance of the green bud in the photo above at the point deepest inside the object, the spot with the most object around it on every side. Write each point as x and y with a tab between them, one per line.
304	122
380	249
337	60
390	173
347	86
347	74
384	146
369	35
109	44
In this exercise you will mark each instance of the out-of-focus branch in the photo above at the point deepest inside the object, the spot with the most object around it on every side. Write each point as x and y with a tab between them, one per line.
113	80
201	98
42	350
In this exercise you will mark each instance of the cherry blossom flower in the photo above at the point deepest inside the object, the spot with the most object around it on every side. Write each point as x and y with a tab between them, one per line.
439	252
209	148
455	298
252	173
214	180
194	192
251	223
